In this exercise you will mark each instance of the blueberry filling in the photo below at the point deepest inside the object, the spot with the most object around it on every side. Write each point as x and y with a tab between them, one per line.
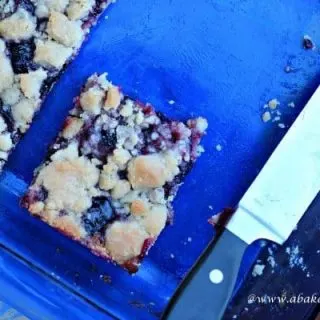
7	117
27	5
96	143
170	188
22	54
35	195
123	174
108	140
48	83
96	218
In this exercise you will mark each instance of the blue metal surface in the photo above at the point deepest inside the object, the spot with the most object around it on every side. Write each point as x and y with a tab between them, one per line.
221	60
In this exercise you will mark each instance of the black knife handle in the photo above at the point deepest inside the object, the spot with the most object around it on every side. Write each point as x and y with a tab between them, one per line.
199	298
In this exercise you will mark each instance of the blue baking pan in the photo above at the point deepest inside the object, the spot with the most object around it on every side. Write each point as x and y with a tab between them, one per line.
219	59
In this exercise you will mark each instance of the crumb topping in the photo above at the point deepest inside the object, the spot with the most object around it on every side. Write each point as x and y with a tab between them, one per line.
113	98
20	25
78	9
72	127
23	112
124	240
5	141
6	72
152	171
91	100
114	170
49	53
31	83
46	6
37	39
70	181
11	96
64	31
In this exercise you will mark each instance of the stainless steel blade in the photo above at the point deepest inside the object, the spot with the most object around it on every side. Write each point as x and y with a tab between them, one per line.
286	186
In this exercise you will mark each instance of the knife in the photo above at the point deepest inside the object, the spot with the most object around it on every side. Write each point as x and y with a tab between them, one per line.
270	210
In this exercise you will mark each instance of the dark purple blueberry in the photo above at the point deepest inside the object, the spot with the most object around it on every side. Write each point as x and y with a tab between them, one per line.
308	43
22	55
6	115
172	186
176	136
63	213
105	146
16	137
27	5
109	139
96	218
123	174
122	121
147	134
42	24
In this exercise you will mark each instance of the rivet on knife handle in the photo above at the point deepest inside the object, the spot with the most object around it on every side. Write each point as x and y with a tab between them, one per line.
200	298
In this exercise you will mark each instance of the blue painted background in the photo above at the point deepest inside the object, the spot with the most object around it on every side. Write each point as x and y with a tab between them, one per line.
220	59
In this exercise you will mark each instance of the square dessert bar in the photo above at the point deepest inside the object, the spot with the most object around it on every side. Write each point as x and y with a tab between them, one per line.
111	176
37	39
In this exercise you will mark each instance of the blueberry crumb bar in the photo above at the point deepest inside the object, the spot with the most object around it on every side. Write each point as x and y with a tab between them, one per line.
37	39
111	176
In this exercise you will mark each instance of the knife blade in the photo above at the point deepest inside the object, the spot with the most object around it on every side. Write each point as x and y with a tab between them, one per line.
270	209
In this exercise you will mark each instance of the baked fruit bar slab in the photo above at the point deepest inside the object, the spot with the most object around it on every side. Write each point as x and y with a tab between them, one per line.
37	40
111	176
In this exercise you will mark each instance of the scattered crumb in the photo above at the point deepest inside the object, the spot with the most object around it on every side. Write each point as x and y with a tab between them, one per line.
218	147
291	104
105	278
288	69
172	256
246	309
171	102
278	113
234	316
132	293
258	270
266	116
295	259
281	125
263	243
272	263
308	43
318	251
271	260
106	17
273	104
189	239
214	219
276	119
210	207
